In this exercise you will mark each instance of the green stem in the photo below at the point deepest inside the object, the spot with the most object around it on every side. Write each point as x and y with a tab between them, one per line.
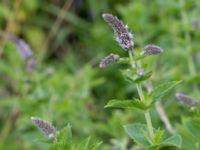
142	98
147	113
132	62
149	123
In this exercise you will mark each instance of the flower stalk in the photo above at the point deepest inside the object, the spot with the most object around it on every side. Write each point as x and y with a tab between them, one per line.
147	113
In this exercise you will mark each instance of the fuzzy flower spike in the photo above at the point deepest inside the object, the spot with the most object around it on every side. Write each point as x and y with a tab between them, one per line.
151	49
186	99
44	126
108	60
123	37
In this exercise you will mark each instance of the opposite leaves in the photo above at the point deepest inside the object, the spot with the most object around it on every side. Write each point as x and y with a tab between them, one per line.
139	133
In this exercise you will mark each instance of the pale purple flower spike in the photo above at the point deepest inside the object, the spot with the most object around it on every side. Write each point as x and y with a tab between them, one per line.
151	49
22	47
123	36
186	99
44	126
108	60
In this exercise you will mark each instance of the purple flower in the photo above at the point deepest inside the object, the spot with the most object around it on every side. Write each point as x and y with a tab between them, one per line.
22	47
108	60
151	49
30	64
123	37
196	24
186	99
44	126
140	72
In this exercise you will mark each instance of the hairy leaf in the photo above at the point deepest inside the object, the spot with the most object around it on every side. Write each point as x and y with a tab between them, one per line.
163	89
174	140
127	104
137	132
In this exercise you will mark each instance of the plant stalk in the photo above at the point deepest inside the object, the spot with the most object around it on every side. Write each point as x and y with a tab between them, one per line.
132	62
142	98
147	113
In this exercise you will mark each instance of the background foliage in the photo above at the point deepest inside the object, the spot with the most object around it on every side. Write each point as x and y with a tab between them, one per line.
68	38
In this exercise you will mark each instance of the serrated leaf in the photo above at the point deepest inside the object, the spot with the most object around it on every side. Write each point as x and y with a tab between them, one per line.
128	74
96	146
158	136
64	139
193	125
162	90
187	137
65	134
84	145
127	104
174	140
137	132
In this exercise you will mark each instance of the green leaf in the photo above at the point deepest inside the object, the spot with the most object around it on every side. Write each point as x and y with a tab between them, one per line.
45	140
96	146
143	77
128	74
65	134
162	90
158	136
64	139
137	132
174	140
195	78
84	145
187	137
132	77
127	104
193	125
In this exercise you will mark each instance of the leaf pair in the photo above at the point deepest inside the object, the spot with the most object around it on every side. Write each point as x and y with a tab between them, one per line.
132	77
139	133
155	95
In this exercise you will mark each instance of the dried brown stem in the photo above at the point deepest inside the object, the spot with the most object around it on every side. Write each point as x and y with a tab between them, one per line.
57	23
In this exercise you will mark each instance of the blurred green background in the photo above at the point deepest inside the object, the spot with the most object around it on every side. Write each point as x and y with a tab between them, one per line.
68	39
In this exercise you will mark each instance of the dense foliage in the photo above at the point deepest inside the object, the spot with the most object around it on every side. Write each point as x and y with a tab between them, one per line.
49	68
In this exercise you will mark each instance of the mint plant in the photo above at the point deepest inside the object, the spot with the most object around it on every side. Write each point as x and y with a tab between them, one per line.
137	74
